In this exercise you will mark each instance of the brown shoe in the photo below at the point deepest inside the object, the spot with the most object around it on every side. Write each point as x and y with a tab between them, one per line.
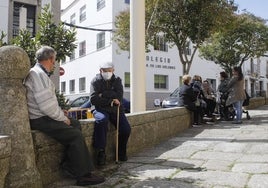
90	179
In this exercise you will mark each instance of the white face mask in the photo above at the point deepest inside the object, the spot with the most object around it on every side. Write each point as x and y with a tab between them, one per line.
106	75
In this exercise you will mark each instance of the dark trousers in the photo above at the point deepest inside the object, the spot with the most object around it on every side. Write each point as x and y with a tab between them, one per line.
102	119
211	104
77	157
197	111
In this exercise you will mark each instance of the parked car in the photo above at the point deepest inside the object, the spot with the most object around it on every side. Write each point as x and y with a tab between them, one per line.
126	105
83	111
79	101
172	100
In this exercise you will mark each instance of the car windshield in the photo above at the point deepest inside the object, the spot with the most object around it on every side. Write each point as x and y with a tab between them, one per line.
175	93
79	101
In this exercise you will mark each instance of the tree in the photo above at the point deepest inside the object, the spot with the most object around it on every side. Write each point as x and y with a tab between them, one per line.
246	37
181	22
2	36
56	36
26	42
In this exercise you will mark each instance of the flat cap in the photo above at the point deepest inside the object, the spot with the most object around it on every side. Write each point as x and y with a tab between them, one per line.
107	65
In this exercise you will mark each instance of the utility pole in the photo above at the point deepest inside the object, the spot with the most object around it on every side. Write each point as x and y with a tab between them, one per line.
137	56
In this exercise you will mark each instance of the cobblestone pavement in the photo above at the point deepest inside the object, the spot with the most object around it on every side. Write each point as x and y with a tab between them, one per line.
220	155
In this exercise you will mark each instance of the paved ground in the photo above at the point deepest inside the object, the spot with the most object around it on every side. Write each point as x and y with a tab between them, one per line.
221	155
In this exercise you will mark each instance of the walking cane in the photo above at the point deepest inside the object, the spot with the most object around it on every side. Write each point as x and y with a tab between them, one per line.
117	134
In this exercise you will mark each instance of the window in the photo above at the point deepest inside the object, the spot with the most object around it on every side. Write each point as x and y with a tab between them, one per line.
72	19
160	44
82	84
187	49
72	86
100	40
160	81
63	87
72	57
30	18
127	79
82	48
83	15
100	4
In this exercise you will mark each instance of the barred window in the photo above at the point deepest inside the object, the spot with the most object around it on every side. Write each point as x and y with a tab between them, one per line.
160	81
100	4
127	79
100	40
72	86
63	87
82	84
83	14
160	44
82	48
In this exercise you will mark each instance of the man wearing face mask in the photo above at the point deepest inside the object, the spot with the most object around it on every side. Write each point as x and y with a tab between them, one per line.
106	96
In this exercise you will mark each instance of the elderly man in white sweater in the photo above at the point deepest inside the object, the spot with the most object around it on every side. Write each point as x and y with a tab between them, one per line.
46	116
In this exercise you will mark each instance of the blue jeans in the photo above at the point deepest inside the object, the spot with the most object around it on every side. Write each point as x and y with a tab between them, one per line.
102	119
238	110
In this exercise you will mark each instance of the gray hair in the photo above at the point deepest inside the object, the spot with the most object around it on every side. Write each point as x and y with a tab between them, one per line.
45	53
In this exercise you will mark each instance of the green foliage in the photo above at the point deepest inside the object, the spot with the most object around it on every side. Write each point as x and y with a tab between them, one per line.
56	36
246	37
63	103
25	41
2	36
122	25
182	22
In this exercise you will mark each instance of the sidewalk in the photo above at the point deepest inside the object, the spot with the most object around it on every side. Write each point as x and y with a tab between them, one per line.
221	155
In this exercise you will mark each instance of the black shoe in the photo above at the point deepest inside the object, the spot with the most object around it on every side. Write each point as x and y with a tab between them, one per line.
196	125
89	180
123	158
101	158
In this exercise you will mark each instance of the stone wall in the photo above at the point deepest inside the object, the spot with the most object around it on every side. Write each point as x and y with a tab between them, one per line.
31	159
14	119
256	102
148	129
5	152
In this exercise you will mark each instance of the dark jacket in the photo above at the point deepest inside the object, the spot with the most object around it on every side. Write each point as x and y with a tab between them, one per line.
187	97
223	86
103	92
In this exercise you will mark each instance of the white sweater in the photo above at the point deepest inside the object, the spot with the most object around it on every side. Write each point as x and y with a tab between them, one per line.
41	96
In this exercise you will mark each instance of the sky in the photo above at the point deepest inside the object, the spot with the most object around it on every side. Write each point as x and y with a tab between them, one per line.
257	7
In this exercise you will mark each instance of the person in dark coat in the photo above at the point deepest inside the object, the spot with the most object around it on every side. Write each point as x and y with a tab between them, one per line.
106	97
223	94
188	98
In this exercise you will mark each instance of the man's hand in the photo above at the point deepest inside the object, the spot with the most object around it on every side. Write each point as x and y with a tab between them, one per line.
65	112
68	122
115	102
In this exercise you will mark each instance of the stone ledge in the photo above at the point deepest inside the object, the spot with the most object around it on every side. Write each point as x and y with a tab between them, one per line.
5	152
148	129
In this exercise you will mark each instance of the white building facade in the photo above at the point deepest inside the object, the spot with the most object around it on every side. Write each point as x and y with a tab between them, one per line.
163	67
